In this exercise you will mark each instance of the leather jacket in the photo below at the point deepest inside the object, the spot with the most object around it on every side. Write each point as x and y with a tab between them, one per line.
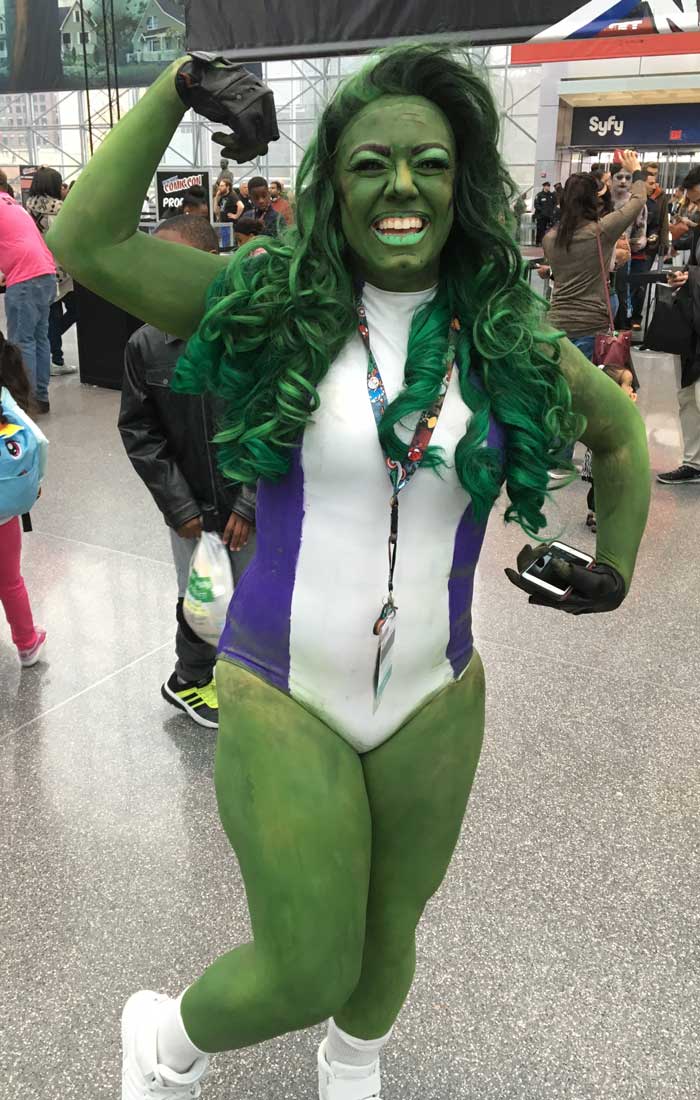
166	436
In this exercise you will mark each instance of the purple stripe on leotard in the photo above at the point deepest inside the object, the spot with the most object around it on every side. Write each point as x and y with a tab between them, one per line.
257	630
460	589
468	542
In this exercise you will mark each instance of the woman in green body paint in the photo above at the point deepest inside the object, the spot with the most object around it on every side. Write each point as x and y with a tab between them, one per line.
344	809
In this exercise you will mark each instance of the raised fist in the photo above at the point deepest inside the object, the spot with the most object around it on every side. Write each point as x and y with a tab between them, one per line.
226	92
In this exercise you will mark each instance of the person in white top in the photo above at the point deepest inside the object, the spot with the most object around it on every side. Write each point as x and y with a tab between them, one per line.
385	368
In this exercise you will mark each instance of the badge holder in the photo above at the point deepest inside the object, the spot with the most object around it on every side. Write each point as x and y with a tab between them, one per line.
385	625
385	630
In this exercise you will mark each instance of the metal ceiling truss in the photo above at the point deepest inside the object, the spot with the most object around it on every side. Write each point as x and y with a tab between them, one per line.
307	88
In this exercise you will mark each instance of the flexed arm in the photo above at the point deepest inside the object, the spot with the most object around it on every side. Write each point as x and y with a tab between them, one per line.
96	236
616	435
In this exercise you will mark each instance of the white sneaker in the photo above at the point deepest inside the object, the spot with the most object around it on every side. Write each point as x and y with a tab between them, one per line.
339	1082
142	1077
29	657
62	368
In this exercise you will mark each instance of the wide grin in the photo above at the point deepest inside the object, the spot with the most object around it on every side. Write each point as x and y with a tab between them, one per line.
405	230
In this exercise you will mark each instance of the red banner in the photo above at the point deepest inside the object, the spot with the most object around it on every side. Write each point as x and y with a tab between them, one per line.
606	46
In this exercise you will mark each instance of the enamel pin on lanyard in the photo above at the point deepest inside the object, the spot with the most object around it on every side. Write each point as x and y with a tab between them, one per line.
400	473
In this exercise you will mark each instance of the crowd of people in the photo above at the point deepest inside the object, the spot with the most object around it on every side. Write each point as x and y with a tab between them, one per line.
252	208
601	239
181	473
616	216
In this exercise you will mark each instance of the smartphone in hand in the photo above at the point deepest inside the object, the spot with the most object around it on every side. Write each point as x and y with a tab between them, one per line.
542	573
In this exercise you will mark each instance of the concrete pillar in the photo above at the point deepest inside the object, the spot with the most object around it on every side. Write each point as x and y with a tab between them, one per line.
548	166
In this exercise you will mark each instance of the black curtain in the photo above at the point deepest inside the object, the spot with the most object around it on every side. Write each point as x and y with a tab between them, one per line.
302	28
34	46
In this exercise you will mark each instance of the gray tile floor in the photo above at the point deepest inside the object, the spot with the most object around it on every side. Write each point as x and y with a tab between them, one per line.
561	958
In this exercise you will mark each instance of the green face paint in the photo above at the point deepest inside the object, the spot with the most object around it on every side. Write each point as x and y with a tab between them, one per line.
395	171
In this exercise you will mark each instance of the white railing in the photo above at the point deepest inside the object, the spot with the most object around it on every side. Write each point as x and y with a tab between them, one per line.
143	57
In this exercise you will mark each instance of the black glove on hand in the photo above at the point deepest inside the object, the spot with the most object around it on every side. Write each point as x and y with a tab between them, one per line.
224	91
600	588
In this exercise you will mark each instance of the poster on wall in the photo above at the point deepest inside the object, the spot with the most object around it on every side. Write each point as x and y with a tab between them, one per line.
26	175
47	46
171	185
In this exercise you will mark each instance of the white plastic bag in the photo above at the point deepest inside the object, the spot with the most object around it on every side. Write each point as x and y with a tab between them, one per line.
209	588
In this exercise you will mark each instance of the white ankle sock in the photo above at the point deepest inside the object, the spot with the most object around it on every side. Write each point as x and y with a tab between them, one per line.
341	1047
175	1048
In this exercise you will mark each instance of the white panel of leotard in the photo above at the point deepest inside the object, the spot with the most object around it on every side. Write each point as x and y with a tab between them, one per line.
341	573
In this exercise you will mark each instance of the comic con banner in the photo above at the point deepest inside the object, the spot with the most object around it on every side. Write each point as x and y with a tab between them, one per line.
171	185
47	46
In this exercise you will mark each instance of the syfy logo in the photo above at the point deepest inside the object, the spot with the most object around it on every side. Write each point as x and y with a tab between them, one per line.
604	126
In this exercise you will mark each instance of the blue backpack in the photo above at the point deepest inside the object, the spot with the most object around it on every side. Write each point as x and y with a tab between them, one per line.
20	461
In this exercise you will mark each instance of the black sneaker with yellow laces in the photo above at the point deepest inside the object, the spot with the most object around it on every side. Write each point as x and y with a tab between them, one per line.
199	701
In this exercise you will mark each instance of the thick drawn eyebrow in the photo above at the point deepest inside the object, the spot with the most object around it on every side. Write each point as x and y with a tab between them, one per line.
385	151
430	145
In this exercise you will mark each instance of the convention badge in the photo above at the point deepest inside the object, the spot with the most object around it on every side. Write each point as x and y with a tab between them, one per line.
385	629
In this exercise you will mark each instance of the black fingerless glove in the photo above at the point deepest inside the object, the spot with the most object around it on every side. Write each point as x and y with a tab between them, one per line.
226	92
600	588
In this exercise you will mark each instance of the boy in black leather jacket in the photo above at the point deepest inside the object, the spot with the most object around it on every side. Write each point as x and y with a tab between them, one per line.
166	436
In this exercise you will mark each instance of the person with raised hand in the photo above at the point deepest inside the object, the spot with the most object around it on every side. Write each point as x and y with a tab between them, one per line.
386	371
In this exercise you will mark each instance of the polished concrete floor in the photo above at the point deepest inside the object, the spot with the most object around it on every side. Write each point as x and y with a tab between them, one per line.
561	958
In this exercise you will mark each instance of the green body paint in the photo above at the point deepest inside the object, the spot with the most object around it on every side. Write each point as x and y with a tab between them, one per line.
396	164
339	853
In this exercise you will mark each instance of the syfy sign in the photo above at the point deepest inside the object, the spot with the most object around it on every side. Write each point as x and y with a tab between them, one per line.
656	125
604	126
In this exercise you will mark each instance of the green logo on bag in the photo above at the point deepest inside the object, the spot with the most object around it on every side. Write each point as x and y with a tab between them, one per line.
200	588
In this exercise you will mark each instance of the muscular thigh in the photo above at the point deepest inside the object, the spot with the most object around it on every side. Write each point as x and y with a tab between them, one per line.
418	784
292	800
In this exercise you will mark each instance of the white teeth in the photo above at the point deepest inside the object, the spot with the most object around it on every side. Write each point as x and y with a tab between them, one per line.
385	224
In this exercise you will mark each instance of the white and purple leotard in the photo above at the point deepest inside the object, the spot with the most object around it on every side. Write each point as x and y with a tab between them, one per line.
301	617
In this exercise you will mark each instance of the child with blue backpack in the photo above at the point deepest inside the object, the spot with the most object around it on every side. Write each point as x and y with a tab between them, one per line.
23	450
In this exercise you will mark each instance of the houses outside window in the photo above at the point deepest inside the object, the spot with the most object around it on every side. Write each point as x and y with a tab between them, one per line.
151	23
84	38
67	39
76	16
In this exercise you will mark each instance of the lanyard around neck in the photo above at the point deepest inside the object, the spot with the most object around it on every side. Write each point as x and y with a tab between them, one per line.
400	473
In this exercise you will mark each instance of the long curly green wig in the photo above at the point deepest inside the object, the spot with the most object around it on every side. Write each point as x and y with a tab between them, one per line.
275	323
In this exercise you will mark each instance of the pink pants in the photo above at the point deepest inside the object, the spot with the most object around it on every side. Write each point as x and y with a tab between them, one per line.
13	594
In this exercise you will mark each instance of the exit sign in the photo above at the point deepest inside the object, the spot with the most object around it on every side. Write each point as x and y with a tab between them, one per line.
675	135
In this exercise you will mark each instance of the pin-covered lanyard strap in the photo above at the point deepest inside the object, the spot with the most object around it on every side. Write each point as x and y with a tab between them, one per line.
400	473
